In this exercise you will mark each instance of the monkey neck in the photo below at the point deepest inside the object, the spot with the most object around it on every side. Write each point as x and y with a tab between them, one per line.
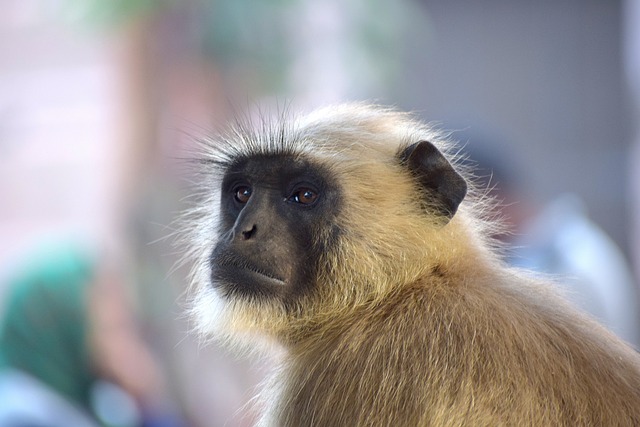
360	367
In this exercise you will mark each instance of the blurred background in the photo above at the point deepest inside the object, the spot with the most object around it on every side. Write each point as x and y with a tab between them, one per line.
100	102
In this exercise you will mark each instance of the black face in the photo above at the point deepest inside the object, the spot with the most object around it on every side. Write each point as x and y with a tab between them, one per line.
277	218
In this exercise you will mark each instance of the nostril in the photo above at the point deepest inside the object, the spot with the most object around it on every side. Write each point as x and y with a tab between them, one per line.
247	234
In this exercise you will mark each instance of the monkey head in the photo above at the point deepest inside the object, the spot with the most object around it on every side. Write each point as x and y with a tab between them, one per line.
309	218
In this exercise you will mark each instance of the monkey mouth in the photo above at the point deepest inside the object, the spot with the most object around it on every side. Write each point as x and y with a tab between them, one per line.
263	274
232	268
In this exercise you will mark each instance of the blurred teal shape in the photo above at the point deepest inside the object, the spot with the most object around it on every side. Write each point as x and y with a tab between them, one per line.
44	325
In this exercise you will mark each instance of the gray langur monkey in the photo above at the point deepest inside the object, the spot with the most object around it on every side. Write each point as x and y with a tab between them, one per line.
348	238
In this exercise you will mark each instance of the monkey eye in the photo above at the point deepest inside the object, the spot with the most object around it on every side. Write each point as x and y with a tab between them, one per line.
304	196
242	194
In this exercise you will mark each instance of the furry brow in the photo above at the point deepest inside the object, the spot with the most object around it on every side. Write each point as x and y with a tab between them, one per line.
251	135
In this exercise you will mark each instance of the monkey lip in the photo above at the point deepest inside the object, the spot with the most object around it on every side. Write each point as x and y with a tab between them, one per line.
264	275
239	270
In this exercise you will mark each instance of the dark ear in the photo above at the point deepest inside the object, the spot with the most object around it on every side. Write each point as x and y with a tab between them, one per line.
436	175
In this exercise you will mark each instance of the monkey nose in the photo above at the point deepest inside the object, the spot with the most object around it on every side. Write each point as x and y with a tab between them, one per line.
247	234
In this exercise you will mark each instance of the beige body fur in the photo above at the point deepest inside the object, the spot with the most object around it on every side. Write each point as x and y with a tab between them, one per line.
413	321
